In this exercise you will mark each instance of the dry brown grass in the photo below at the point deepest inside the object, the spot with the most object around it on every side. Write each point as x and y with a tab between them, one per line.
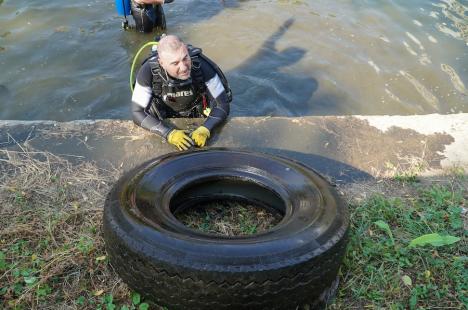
50	218
229	218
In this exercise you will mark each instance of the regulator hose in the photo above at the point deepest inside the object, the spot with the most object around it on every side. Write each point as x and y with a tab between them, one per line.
135	59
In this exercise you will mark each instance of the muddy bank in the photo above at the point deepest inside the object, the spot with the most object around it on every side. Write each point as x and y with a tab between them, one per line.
345	149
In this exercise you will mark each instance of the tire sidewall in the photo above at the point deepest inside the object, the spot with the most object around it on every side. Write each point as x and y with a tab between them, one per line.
300	236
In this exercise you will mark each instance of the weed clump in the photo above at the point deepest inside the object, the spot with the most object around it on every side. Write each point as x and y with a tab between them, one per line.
382	270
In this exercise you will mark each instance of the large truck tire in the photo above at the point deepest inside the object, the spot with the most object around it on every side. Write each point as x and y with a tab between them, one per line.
293	264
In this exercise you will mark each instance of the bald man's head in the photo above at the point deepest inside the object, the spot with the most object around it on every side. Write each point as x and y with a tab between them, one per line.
174	57
169	44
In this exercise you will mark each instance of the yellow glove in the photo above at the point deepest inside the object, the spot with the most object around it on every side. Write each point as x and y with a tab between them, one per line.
200	135
180	139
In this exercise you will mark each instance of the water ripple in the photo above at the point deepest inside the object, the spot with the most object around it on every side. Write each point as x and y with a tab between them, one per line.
454	77
422	90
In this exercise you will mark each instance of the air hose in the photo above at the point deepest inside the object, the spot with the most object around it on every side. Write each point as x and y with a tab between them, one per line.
135	60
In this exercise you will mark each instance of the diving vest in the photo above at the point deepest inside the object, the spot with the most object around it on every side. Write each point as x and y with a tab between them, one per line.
184	98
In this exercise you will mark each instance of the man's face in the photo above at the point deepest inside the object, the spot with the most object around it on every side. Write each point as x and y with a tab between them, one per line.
177	64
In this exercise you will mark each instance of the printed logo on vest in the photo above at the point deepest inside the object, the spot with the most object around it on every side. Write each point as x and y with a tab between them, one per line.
182	93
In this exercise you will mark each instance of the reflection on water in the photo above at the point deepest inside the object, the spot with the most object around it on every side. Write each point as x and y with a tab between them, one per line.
261	76
70	60
456	13
421	89
456	80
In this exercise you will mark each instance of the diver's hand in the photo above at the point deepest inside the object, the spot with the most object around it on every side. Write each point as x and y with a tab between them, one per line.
180	139
200	135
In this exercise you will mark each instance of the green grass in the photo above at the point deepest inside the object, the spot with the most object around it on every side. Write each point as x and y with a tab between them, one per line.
381	271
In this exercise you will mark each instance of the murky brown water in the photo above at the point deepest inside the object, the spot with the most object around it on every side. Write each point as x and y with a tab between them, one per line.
63	60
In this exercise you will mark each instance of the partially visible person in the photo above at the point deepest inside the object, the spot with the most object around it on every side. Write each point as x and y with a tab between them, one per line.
179	81
149	14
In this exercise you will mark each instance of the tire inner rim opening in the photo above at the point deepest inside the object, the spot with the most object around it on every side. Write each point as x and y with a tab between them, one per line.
228	206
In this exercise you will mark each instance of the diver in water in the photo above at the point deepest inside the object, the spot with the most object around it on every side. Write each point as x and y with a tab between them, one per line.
178	80
148	14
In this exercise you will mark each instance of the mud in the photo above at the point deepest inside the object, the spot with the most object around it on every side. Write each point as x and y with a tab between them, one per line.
344	149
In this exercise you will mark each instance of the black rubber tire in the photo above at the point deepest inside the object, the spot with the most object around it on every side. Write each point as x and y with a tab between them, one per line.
293	264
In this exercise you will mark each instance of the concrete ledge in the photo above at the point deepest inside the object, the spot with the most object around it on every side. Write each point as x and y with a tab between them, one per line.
344	148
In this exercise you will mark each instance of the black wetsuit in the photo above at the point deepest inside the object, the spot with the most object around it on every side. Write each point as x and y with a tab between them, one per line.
148	16
150	110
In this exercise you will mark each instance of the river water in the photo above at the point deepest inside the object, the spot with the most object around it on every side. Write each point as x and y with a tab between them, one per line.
65	60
